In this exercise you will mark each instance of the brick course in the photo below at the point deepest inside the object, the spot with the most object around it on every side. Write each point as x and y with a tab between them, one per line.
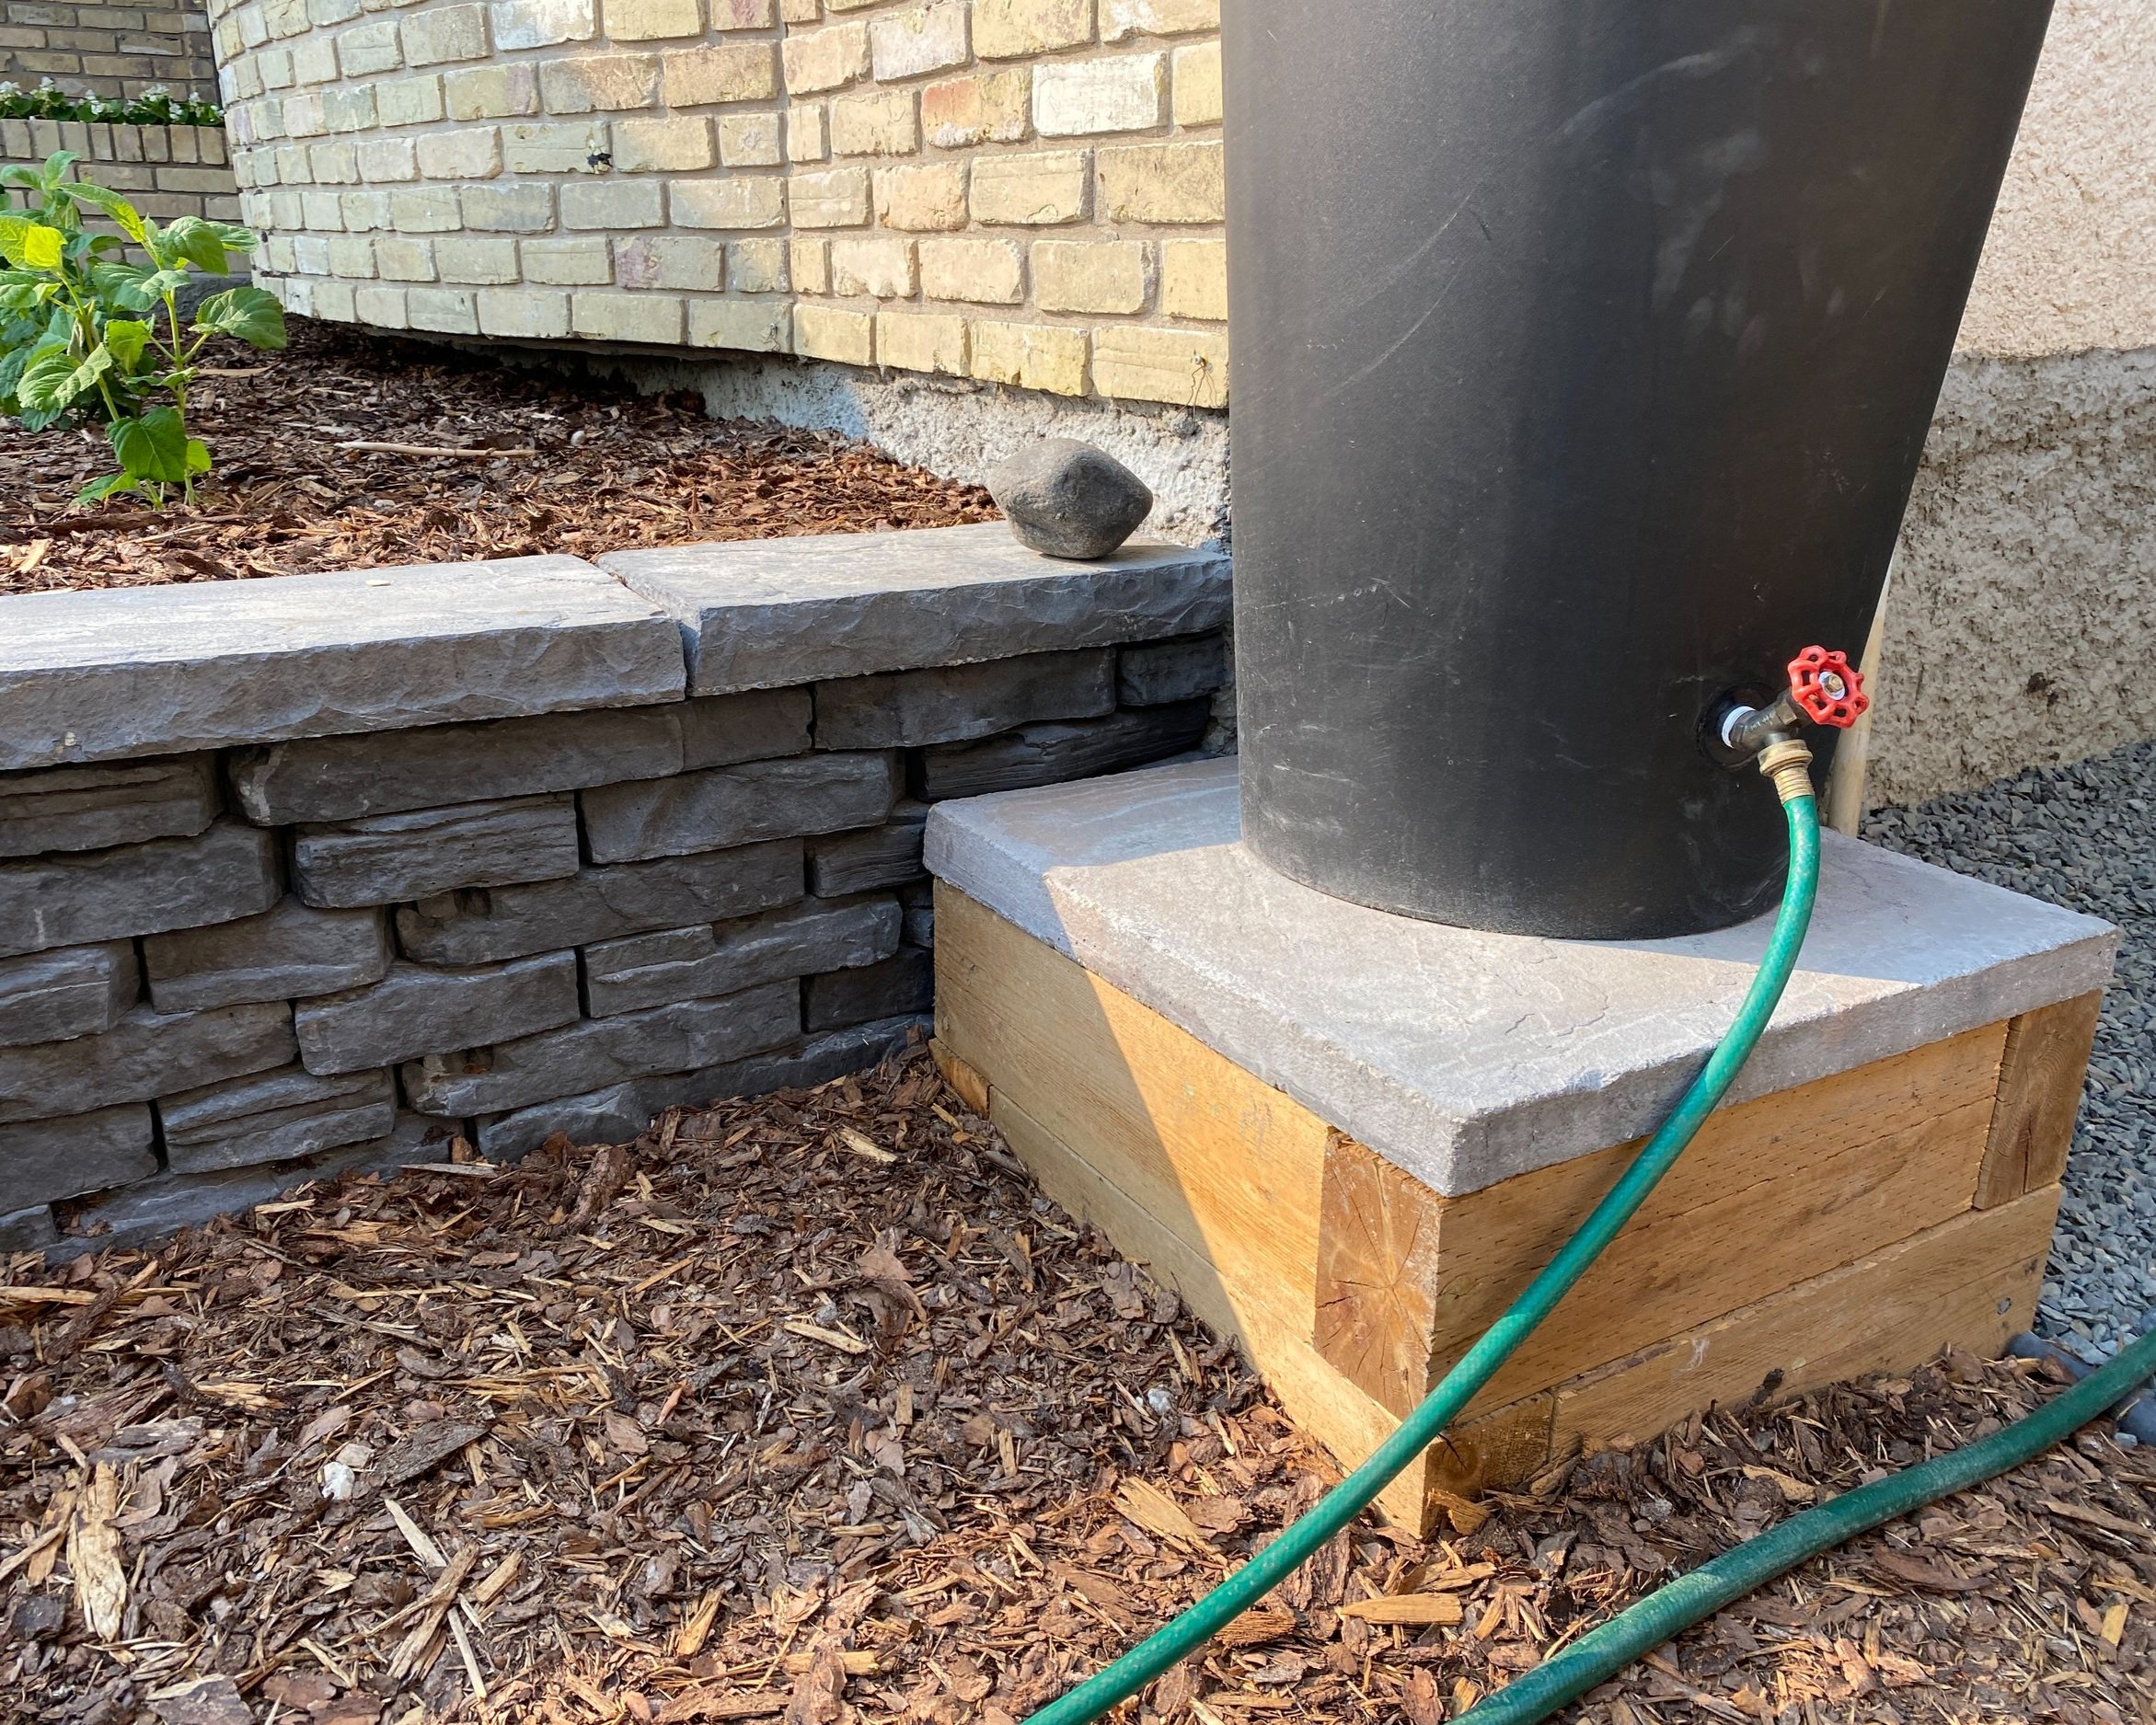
110	50
1019	191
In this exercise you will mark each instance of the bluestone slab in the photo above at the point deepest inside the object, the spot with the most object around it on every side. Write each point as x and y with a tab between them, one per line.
93	808
731	806
762	613
490	923
415	1010
886	855
902	984
274	1117
342	778
904	710
1462	1057
384	859
73	991
289	951
28	1230
130	670
231	870
147	1054
1049	754
1156	673
596	1052
704	961
619	1113
45	1160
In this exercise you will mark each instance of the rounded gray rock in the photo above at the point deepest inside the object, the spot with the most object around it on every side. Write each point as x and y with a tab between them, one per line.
1067	499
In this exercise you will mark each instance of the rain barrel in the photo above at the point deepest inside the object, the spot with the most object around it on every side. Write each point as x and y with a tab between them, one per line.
1584	354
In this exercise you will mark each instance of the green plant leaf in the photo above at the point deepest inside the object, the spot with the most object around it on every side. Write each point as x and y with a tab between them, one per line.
98	490
44	247
235	238
198	455
124	215
191	237
127	338
249	314
153	446
53	379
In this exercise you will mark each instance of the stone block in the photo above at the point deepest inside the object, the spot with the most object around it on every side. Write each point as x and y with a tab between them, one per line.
415	1010
1193	279
388	857
1013	29
1051	358
151	1210
886	855
974	269
703	962
274	1117
1068	499
127	670
902	984
918	40
728	72
45	1160
1074	98
56	995
1157	672
94	808
1050	753
619	1113
1197	86
229	870
287	952
1186	367
1408	1036
595	1053
1162	182
1106	276
489	924
1121	19
903	709
765	614
1038	190
881	266
922	197
147	1054
981	108
916	342
26	1230
827	59
822	332
343	778
731	806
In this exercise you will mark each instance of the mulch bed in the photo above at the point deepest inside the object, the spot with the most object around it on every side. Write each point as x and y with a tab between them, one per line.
812	1408
600	468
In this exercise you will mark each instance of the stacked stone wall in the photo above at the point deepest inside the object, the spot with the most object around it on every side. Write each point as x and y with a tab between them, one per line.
226	968
1019	191
87	47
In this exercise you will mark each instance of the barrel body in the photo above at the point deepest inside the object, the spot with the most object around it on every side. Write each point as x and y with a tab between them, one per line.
1583	355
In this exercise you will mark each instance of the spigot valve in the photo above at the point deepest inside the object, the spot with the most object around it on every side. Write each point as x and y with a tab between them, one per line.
1827	688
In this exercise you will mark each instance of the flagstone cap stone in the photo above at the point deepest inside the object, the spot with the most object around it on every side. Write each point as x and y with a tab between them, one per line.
1464	1058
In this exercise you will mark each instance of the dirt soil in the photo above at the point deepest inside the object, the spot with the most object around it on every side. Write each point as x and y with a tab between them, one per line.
812	1408
588	467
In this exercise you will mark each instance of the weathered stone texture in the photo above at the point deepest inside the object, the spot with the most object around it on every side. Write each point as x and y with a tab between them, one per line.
885	856
71	899
700	962
288	952
274	1117
905	710
415	1011
617	1114
595	1053
97	676
762	613
74	991
45	1160
94	808
147	1054
345	779
26	1230
1157	672
1049	754
386	857
731	806
1063	498
905	983
488	924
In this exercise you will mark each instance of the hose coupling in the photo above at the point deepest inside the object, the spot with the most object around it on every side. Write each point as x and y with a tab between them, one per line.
1787	762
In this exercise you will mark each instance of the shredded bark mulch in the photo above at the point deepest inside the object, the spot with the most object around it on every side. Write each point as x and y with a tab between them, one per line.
586	465
811	1407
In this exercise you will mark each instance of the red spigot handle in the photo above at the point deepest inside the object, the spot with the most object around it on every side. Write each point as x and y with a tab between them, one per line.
1827	688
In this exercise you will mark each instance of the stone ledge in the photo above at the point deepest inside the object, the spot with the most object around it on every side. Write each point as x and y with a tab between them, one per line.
759	613
1465	1058
103	675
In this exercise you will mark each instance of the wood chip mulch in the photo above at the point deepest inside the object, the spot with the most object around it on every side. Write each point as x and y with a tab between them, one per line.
591	467
810	1409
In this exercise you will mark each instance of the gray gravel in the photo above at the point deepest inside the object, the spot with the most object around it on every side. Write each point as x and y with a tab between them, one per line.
2084	836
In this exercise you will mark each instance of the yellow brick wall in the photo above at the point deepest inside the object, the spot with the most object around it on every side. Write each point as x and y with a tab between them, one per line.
99	49
164	171
1021	191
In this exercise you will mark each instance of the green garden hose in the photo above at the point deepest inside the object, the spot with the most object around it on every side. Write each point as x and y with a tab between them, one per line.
1601	1654
1346	1501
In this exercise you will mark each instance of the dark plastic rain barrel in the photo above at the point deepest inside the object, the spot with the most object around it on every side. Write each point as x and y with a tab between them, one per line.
1584	353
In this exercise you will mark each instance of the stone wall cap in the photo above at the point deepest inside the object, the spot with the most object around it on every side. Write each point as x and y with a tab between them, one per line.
118	671
766	612
1465	1058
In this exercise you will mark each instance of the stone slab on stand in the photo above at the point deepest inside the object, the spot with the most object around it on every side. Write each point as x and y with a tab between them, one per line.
1351	1138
